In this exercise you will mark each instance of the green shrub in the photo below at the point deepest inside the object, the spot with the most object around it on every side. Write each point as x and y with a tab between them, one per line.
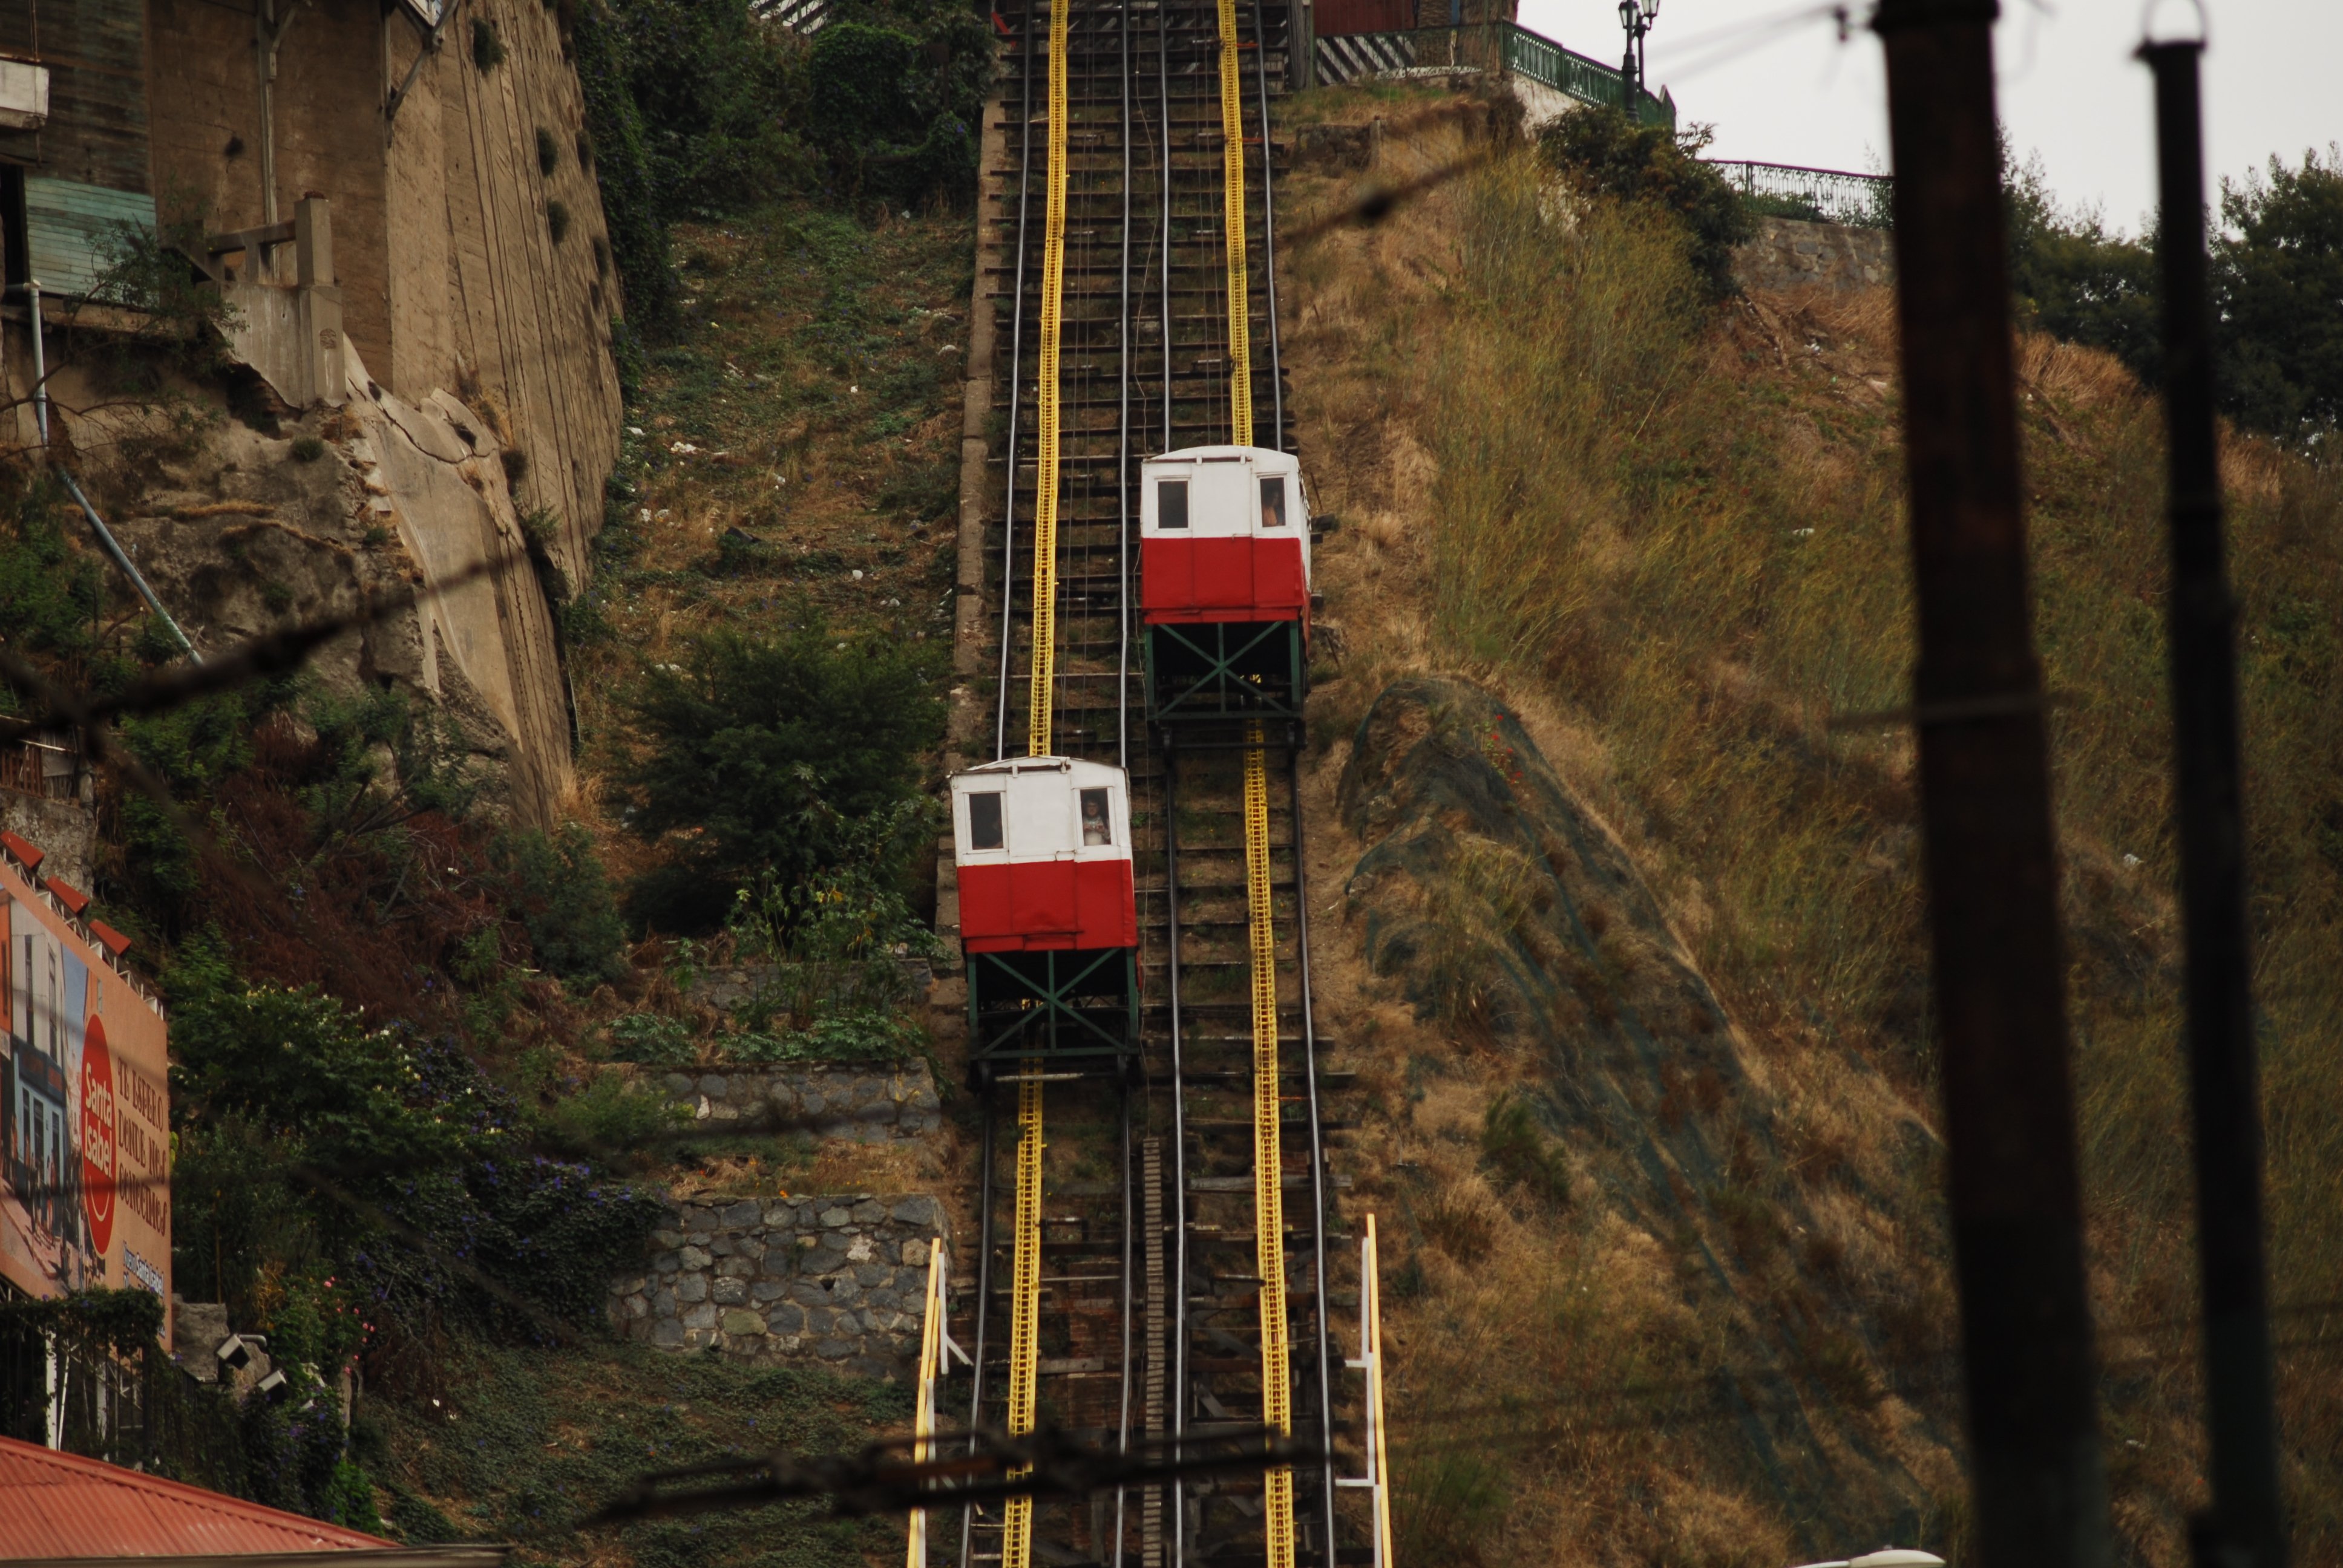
650	1039
555	886
2072	279
49	592
771	756
488	48
1518	1152
1602	154
556	219
612	1117
307	448
548	152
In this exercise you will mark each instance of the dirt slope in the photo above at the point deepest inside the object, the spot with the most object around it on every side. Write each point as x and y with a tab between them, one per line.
1626	933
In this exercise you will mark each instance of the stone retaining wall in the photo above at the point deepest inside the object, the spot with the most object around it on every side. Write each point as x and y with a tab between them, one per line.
864	1101
834	1280
1790	253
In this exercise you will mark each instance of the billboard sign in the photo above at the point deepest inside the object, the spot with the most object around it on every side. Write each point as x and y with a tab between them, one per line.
84	1118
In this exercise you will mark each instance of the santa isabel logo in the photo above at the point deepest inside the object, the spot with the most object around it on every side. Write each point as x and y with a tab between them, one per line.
97	1136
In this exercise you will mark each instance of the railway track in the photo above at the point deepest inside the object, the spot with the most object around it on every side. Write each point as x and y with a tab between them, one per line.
1124	1281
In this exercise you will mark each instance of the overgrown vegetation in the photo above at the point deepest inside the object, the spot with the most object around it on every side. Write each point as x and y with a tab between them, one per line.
773	757
699	110
1602	154
1675	534
2277	270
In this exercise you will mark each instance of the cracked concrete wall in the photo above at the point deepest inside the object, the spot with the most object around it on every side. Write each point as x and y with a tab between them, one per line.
450	274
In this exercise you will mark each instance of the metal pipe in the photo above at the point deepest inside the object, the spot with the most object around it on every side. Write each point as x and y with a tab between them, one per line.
2246	1522
2038	1479
97	524
1016	372
1317	1154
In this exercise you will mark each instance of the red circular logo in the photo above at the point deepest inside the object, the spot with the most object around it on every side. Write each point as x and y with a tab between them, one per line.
97	1136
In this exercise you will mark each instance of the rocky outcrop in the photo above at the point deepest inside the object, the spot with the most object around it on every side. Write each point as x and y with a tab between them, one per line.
1505	912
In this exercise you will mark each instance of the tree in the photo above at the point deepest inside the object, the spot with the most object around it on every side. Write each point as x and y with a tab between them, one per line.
1601	152
2278	282
2070	277
766	757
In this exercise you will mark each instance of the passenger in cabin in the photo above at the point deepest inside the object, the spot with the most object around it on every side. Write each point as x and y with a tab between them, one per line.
1094	825
1272	503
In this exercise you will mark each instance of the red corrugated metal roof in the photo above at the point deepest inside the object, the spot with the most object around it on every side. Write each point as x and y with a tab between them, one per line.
63	1505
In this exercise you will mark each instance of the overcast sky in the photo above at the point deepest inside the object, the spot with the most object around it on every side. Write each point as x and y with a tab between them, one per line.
1788	92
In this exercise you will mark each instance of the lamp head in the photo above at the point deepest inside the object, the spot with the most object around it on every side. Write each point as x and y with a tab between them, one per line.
1651	11
1627	15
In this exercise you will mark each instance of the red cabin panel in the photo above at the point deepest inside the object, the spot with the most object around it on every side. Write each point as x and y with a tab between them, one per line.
1207	579
1040	905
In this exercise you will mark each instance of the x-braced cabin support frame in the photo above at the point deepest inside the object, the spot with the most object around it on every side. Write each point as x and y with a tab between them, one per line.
1065	1003
1226	669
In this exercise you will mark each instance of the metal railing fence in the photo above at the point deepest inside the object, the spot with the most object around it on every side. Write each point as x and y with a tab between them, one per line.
1818	195
1497	47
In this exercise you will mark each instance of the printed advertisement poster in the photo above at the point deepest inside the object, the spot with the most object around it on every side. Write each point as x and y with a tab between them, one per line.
84	1122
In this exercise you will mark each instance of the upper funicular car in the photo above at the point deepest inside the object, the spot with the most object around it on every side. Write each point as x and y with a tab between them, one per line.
1224	585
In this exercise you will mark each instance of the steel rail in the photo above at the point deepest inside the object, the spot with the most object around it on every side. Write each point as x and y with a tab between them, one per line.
1178	1147
1317	1150
1269	229
1016	372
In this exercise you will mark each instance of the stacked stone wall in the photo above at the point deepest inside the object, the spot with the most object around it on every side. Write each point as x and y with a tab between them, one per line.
834	1280
1790	253
862	1102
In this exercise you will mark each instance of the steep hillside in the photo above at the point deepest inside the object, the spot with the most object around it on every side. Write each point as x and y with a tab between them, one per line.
1627	926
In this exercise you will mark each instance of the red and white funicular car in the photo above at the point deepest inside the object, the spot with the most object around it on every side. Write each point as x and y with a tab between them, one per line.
1224	583
1048	922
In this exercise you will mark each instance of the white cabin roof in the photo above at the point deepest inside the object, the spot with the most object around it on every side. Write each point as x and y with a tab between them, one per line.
1041	815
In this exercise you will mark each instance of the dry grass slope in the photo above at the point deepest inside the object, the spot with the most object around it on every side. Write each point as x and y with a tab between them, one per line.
1670	541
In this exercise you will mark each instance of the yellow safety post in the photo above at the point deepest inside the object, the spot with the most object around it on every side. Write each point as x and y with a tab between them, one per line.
1232	211
1268	1151
1024	1302
1371	1351
1039	708
923	1408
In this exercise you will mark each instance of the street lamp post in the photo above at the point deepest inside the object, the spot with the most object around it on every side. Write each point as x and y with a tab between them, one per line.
1635	20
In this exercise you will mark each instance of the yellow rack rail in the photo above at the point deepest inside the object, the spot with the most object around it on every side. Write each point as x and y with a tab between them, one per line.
1039	703
1025	1272
1232	217
1268	1152
1025	1302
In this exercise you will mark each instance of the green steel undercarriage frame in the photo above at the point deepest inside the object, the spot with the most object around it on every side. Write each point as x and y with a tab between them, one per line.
1068	1004
1213	671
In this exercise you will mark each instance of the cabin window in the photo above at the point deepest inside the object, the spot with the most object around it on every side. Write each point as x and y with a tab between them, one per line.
984	821
1171	504
1097	828
1272	503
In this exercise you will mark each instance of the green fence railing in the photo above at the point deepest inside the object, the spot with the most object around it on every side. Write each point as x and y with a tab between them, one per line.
1497	47
1819	196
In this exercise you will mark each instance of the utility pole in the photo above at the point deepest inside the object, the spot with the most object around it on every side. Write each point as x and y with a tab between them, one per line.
2245	1526
2039	1498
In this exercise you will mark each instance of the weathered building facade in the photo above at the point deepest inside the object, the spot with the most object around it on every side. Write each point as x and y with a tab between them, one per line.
450	259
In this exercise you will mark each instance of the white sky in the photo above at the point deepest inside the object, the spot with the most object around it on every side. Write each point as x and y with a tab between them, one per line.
1788	92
